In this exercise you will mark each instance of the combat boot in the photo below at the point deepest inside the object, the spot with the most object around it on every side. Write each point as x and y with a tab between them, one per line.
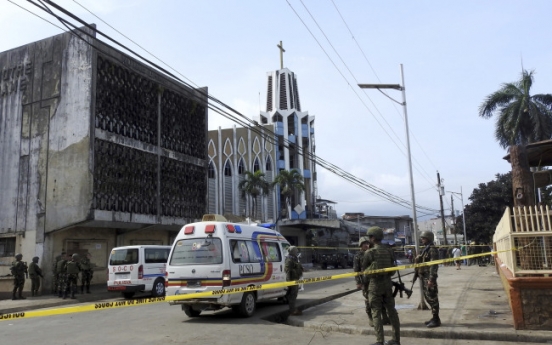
82	289
88	289
21	294
14	297
65	294
435	322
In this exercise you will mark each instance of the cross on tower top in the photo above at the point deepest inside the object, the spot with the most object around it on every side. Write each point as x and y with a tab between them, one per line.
282	51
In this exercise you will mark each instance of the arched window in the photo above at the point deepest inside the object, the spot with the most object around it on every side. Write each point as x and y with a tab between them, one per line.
241	167
211	170
227	169
268	164
256	165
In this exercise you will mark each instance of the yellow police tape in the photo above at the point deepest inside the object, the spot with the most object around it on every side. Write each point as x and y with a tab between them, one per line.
218	293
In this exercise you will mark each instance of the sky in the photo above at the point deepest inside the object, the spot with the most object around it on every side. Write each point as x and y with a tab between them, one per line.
454	54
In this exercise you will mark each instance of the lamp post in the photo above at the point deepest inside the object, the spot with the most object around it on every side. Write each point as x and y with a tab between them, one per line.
401	88
379	87
463	213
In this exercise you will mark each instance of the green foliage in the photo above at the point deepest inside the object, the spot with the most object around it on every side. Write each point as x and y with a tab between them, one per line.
488	203
290	182
254	184
521	118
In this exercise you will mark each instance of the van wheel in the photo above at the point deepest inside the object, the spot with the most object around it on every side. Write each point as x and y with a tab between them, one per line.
190	312
158	288
128	295
247	306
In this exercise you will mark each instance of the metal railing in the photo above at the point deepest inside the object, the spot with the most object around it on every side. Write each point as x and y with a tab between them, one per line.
523	238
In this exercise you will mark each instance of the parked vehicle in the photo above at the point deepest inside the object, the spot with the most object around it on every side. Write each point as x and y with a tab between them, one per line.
138	268
215	254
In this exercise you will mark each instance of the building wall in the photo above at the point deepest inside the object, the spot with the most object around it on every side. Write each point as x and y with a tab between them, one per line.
97	150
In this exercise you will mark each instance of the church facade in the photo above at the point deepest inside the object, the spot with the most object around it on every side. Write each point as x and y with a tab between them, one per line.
283	140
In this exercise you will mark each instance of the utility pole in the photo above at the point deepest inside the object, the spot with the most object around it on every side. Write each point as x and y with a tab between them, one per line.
441	193
453	217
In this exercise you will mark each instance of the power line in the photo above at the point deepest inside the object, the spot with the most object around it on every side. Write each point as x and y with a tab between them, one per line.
270	136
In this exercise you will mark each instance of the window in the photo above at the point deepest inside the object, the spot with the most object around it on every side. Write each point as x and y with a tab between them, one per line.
256	165
211	170
197	251
156	255
123	257
227	169
244	251
7	247
268	164
271	251
241	167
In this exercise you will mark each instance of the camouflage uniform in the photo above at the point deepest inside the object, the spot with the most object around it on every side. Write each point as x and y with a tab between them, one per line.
61	269
35	273
73	268
380	292
18	269
429	273
55	283
294	270
87	273
362	280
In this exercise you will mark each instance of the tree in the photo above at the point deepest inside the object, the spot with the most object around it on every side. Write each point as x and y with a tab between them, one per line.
521	118
290	182
254	184
487	206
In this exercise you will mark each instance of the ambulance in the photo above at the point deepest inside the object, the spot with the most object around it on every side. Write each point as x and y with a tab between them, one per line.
215	254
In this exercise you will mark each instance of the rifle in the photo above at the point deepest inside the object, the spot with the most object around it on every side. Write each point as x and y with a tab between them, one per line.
400	288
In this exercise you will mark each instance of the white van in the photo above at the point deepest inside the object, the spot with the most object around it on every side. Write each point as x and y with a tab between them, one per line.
138	268
214	254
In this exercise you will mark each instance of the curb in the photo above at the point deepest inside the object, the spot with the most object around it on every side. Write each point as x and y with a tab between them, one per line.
439	333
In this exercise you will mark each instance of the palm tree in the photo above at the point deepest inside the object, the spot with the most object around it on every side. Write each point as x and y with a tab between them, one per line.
289	182
254	185
521	118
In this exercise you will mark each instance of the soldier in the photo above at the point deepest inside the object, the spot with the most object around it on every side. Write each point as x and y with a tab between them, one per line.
61	269
35	273
55	283
18	270
380	287
294	270
362	280
429	277
73	268
87	273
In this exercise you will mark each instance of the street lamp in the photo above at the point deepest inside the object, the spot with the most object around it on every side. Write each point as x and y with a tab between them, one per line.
401	88
379	87
463	213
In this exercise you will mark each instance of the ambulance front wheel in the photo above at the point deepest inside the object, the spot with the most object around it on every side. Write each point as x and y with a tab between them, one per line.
247	306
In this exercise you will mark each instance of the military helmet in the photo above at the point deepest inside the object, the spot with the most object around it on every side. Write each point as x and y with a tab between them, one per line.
375	231
292	250
75	255
19	256
429	235
362	240
35	259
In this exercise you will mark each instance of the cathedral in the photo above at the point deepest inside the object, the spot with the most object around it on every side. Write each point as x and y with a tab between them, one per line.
283	139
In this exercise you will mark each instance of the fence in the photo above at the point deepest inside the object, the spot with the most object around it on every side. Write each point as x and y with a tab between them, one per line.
523	238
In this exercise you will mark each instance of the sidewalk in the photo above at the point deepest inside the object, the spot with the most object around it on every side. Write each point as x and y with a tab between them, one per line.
473	306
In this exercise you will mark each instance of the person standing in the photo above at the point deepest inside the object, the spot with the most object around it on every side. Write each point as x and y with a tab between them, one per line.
294	270
380	287
35	273
55	283
428	274
61	269
18	270
73	269
87	273
456	254
361	279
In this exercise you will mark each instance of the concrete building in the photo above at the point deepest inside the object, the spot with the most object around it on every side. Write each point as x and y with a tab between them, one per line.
97	150
395	228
